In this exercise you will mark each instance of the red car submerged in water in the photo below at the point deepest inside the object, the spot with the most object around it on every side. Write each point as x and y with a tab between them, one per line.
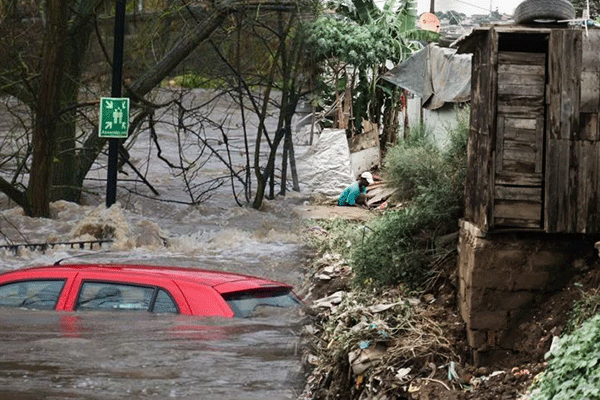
155	289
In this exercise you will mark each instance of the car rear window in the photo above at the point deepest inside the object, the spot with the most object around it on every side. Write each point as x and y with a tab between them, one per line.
119	296
244	304
37	294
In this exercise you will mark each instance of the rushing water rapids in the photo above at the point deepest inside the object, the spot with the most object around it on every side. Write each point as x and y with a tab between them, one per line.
50	355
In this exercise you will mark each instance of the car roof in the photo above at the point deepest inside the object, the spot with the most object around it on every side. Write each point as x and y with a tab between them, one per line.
221	281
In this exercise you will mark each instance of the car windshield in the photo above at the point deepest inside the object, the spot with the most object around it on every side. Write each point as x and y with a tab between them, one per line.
245	304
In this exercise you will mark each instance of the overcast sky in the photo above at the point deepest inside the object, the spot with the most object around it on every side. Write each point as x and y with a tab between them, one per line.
470	7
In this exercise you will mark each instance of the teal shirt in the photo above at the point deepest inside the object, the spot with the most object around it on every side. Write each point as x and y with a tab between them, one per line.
350	194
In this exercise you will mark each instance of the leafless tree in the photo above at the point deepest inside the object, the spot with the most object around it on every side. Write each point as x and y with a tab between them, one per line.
58	95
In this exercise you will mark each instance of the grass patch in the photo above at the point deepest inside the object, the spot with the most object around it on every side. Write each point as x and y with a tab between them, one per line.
336	236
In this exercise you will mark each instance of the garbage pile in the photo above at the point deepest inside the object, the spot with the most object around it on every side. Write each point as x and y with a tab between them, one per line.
371	344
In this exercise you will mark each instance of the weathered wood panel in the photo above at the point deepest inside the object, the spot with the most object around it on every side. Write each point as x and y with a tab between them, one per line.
518	124
565	48
518	69
564	153
520	100
575	201
520	57
530	194
590	55
520	135
588	186
520	111
526	90
518	179
590	72
522	79
528	212
519	141
557	207
479	184
590	91
516	222
588	127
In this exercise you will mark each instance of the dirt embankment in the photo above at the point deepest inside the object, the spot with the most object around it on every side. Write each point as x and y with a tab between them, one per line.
383	345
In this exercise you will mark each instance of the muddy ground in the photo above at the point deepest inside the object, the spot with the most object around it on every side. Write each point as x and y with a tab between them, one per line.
509	378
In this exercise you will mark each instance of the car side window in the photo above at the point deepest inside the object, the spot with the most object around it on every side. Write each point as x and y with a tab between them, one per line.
119	296
37	294
164	303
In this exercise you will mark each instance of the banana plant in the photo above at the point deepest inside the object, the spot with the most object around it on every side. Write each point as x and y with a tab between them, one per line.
354	42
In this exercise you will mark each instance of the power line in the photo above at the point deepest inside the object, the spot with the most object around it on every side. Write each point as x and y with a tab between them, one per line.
472	5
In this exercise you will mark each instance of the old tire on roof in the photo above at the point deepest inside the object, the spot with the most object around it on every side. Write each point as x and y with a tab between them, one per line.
544	10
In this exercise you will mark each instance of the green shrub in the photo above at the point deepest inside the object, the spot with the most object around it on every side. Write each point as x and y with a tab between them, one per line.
574	367
583	309
399	248
412	164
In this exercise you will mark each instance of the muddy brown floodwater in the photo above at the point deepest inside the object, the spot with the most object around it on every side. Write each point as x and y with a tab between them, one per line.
51	355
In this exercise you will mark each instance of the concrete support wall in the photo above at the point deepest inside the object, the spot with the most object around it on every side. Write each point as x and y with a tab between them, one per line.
503	276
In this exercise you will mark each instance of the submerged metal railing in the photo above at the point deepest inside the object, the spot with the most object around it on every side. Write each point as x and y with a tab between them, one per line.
44	246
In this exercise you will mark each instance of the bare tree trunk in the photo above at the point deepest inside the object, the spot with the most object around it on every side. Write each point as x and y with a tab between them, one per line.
47	107
65	182
284	161
390	121
406	120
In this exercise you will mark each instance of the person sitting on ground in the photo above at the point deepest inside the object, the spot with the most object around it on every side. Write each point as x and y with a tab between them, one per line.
356	193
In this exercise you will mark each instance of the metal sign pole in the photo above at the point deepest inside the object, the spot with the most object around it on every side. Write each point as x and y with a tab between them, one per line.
113	143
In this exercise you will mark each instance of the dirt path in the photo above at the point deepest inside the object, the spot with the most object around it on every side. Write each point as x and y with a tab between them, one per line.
318	212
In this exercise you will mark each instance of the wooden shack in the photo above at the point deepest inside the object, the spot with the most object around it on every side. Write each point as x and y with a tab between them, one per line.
534	145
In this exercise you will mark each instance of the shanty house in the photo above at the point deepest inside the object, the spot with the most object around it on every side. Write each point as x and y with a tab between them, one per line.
534	151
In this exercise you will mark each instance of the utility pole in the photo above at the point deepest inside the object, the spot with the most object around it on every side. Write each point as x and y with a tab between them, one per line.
432	7
113	143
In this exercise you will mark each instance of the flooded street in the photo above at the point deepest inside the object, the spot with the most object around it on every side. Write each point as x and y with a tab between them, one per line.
96	355
49	355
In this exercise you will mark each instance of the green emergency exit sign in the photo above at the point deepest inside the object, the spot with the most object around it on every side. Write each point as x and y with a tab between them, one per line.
114	117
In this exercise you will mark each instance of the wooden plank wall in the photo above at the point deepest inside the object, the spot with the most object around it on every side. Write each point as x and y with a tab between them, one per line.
520	139
571	181
588	137
479	181
505	164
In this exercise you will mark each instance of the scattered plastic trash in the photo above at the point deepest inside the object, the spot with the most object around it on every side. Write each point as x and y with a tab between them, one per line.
452	374
318	229
361	359
553	346
382	307
323	277
330	301
402	374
